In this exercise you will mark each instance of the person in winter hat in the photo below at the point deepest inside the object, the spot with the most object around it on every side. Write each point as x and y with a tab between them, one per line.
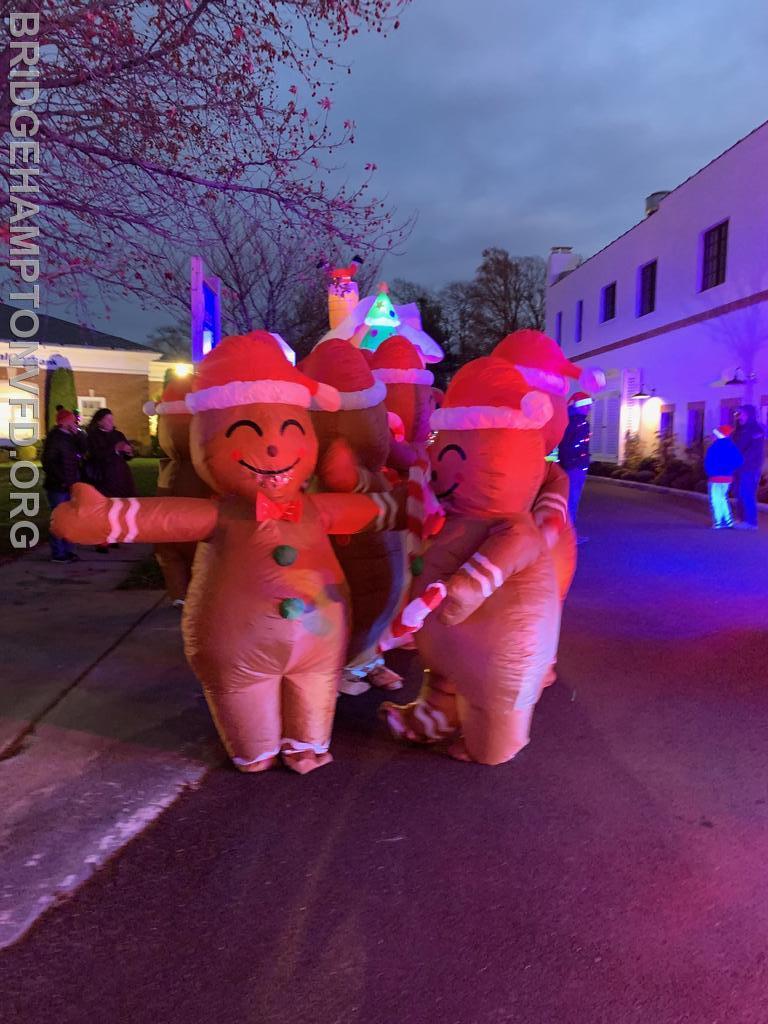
722	460
749	438
177	479
573	450
487	595
353	448
61	465
265	619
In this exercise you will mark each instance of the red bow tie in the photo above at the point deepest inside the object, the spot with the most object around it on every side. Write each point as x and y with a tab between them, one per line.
268	509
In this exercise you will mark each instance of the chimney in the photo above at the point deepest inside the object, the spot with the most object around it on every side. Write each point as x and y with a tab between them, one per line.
562	260
653	201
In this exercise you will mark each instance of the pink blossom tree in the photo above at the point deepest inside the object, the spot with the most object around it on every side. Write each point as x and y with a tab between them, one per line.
153	111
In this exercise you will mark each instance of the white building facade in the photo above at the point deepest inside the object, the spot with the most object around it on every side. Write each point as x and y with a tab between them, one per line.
676	309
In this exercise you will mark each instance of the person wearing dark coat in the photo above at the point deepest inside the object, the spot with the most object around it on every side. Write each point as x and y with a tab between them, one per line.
722	460
106	464
61	465
573	450
107	459
749	438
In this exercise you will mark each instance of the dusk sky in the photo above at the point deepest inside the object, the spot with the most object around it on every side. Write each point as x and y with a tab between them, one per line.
528	125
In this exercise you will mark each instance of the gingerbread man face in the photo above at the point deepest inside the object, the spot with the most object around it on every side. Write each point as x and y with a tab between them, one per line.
247	449
487	473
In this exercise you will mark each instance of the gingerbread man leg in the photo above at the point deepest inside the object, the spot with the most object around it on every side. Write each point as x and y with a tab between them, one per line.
491	735
432	717
308	703
247	715
175	561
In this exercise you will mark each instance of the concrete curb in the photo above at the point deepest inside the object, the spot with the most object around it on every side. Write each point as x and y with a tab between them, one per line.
674	491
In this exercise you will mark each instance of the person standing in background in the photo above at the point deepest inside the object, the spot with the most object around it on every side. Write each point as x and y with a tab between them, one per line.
749	438
722	460
61	465
106	465
573	450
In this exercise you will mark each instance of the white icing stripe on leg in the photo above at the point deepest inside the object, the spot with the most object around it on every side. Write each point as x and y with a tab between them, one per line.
241	762
488	565
130	520
477	576
422	716
298	747
115	508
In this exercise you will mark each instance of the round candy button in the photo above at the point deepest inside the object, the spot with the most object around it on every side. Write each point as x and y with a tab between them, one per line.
284	554
292	608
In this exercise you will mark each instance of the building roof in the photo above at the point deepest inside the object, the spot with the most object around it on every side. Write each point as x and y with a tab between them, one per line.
671	192
56	332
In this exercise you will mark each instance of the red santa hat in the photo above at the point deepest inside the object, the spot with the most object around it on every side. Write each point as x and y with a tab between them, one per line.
490	393
172	401
343	366
723	431
251	368
541	361
579	400
398	361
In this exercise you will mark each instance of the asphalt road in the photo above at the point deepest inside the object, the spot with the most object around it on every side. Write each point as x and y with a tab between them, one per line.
616	871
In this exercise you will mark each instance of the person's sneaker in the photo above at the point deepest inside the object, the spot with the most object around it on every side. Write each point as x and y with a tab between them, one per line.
745	526
72	557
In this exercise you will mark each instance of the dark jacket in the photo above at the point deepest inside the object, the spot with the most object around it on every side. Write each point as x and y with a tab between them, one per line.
573	452
749	438
61	460
105	468
722	460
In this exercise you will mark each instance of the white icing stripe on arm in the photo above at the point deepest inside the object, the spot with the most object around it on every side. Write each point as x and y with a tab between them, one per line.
130	520
483	582
115	508
487	564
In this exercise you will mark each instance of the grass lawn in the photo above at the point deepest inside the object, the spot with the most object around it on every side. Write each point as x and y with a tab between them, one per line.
144	473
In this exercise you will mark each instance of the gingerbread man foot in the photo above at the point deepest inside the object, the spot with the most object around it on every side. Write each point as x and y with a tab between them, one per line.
305	761
418	722
258	766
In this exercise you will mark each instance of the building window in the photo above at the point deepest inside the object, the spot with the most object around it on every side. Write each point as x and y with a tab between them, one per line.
559	328
88	406
667	421
695	434
579	322
646	289
728	407
608	302
715	251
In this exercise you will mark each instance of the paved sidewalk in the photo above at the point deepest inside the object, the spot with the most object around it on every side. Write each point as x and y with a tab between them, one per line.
102	724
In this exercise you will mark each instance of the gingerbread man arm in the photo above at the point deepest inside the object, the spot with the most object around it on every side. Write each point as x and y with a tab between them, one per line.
361	513
551	505
510	547
340	471
90	518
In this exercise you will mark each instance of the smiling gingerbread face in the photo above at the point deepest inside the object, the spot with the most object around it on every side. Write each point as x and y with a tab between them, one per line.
487	473
247	449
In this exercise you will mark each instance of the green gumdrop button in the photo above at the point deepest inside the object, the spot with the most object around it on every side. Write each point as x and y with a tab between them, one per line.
292	608
417	565
284	554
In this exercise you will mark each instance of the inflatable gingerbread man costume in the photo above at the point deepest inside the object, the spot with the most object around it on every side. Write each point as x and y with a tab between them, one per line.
410	399
177	479
265	621
354	444
488	643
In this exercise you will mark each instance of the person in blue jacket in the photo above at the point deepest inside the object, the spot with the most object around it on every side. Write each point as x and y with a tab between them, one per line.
749	438
573	450
722	460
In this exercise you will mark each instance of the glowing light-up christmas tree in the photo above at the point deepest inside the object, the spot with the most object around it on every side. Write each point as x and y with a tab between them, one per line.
380	323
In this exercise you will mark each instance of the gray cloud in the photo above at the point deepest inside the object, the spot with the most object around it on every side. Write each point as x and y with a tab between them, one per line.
528	125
